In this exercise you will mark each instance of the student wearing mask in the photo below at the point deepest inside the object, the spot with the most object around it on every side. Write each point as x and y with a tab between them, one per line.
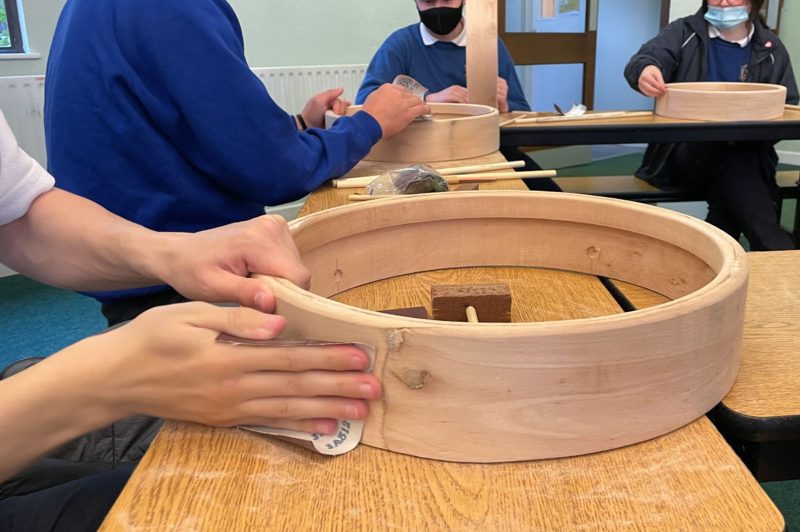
726	40
165	363
433	52
152	111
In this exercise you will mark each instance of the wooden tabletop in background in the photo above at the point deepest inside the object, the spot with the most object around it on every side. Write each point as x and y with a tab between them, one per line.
199	478
647	129
789	115
768	384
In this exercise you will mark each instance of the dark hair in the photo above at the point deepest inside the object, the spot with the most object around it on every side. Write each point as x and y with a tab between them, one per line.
755	10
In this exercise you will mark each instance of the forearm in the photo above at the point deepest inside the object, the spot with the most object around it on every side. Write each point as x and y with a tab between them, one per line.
68	241
52	403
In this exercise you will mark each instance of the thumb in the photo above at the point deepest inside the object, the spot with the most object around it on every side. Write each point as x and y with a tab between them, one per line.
246	291
331	94
239	321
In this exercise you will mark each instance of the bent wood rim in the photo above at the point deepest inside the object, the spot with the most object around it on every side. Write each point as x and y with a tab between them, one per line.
470	111
474	134
722	101
524	391
717	87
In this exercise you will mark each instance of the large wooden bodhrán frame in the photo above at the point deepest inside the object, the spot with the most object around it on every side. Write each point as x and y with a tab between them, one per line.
505	392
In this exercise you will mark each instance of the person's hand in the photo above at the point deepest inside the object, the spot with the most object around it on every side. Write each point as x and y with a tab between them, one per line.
214	265
394	108
502	95
167	363
452	94
651	82
314	111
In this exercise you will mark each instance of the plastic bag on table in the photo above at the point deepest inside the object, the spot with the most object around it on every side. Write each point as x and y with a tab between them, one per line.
414	179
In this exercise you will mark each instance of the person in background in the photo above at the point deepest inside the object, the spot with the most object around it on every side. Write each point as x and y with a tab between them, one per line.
433	52
152	111
726	40
165	363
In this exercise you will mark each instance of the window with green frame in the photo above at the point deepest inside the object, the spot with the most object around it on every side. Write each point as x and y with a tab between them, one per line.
10	35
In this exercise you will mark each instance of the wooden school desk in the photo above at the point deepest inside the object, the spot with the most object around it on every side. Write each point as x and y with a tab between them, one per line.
199	478
646	129
760	417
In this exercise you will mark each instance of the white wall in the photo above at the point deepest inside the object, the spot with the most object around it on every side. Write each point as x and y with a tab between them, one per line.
40	19
276	32
683	8
318	32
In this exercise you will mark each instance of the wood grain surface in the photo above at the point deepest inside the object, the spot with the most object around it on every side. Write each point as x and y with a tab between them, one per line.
471	131
199	478
788	115
768	384
722	102
537	294
585	380
641	298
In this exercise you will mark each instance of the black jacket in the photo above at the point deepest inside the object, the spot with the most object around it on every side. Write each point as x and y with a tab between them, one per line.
680	51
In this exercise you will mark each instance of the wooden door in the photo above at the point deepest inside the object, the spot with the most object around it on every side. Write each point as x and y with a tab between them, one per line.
531	46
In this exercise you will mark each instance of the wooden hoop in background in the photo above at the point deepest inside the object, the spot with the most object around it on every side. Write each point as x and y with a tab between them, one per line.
474	134
521	391
720	101
482	59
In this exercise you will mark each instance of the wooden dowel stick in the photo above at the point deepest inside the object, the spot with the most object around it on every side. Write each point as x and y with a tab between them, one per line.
516	118
494	176
457	170
590	116
470	178
793	107
367	197
337	183
472	315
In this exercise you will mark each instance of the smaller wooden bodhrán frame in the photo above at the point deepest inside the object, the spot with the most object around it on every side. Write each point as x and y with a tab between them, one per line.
496	392
720	101
457	131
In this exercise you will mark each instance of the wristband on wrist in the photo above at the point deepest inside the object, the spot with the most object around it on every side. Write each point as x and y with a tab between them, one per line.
302	122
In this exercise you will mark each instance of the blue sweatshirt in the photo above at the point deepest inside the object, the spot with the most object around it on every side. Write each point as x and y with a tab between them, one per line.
727	61
437	67
152	111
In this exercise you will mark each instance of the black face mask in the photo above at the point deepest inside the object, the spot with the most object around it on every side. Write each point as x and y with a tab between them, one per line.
441	20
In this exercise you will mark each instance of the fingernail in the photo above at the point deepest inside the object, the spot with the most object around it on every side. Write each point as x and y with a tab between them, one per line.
358	361
265	333
352	412
326	427
367	390
262	300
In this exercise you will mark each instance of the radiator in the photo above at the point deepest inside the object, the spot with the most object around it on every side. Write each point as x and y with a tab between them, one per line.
22	101
22	98
291	87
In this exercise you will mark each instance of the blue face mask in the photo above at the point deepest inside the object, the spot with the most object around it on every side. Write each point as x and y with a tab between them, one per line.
727	18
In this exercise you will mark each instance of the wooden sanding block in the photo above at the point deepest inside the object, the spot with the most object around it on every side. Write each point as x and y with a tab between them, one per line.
492	302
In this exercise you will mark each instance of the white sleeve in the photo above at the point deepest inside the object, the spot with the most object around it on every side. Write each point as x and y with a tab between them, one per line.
22	179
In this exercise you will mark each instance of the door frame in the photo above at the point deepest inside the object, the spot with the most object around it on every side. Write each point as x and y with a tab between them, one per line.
563	48
556	48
